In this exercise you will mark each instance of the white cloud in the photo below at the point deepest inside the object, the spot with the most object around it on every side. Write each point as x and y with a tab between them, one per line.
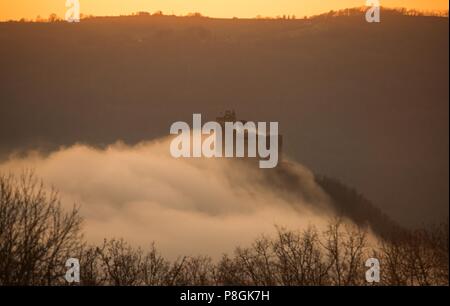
187	206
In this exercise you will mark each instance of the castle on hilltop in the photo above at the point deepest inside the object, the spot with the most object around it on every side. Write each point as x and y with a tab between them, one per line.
230	116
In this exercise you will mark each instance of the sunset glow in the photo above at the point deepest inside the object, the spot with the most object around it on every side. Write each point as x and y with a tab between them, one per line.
30	9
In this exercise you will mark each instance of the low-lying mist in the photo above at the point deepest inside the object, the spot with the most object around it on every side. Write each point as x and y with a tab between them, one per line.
186	206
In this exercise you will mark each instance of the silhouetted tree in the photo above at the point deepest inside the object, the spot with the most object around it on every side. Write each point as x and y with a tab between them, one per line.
53	18
36	235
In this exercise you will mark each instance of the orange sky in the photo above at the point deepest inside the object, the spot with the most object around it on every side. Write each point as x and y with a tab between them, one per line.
16	9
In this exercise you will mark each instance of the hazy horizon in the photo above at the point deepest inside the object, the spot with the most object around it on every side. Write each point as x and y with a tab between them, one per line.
27	9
